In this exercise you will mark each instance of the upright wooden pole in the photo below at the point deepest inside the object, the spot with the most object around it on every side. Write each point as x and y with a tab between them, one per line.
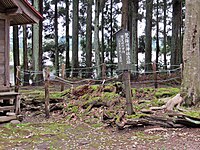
47	75
62	76
154	66
103	71
17	79
127	85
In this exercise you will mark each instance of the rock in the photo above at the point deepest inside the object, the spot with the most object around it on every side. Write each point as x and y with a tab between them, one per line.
10	114
15	122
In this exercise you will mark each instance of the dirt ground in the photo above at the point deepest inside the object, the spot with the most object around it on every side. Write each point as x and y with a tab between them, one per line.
58	134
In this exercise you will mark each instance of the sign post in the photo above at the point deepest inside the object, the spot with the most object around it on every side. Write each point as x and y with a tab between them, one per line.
124	64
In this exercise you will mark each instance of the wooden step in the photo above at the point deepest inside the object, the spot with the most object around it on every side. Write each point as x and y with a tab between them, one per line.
7	108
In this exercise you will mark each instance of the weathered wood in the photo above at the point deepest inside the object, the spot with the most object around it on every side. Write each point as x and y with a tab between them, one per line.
127	85
7	95
103	71
63	76
4	119
17	105
15	97
5	108
17	79
154	66
4	89
47	75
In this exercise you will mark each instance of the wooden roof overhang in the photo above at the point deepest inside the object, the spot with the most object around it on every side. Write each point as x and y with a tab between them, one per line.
19	12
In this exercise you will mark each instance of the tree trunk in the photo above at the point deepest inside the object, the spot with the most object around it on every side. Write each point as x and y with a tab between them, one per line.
102	30
56	38
111	37
37	45
89	38
157	35
96	38
75	62
67	63
165	34
25	58
176	37
148	31
16	50
135	34
191	53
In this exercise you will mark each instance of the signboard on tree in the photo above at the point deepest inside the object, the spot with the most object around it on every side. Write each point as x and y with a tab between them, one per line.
123	49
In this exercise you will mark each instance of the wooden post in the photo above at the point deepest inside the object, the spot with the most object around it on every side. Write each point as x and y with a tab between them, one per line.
47	75
17	79
154	66
127	85
103	71
181	67
17	105
63	76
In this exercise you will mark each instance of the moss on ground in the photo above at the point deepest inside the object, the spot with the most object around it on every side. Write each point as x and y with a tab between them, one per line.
166	92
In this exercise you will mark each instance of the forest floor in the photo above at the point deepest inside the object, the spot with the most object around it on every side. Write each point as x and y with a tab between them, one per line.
80	119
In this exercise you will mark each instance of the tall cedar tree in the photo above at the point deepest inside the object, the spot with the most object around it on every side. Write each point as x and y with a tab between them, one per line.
165	33
67	63
96	37
191	53
56	38
176	32
148	31
89	36
37	44
134	39
157	33
75	22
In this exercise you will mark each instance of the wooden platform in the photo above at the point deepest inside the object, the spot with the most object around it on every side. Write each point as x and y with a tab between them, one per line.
11	101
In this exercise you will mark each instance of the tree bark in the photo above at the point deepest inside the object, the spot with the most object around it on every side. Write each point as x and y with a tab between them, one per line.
148	31
56	38
96	38
157	35
135	34
191	53
176	37
75	22
165	34
102	30
37	45
89	37
67	63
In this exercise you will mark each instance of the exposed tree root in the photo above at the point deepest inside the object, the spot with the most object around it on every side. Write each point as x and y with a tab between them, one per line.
169	106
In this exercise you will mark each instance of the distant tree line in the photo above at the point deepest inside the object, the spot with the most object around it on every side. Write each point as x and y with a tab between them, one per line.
93	24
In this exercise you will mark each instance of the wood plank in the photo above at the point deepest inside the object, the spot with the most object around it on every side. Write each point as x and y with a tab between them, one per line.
2	46
2	56
7	108
4	88
2	79
9	94
7	118
2	70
